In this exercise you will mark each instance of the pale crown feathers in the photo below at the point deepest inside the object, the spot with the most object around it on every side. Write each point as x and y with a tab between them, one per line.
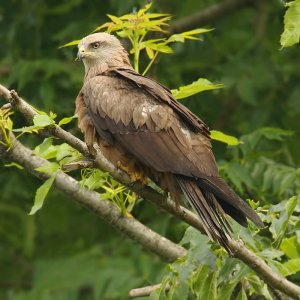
100	49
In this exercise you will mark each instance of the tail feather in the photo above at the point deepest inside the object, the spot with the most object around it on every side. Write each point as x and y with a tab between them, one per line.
231	203
209	211
212	198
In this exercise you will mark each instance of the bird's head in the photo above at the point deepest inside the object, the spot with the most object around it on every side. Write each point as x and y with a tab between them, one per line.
101	49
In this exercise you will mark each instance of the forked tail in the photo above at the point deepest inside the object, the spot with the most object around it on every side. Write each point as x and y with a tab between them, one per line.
212	198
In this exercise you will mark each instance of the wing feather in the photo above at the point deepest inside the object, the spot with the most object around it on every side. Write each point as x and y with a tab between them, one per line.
163	94
151	124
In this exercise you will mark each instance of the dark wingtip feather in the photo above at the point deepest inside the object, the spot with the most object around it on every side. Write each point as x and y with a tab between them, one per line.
232	204
210	212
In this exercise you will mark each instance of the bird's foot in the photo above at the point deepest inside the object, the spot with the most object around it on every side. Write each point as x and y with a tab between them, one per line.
134	174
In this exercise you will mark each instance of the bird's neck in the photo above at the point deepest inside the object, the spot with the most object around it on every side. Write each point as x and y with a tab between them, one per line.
118	61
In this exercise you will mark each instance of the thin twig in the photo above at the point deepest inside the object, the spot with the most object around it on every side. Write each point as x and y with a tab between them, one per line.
145	291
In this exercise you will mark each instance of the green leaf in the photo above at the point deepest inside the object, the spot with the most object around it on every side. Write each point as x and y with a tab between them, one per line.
290	247
228	267
290	267
200	249
195	31
274	133
209	289
182	292
143	10
67	120
258	286
73	43
278	226
46	149
67	154
242	295
200	277
225	291
41	195
239	175
271	253
48	168
287	181
291	33
42	120
180	37
160	47
150	52
164	49
225	138
198	86
93	178
115	19
250	141
176	38
105	25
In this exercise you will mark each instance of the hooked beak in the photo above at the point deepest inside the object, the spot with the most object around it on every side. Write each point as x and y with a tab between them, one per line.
81	53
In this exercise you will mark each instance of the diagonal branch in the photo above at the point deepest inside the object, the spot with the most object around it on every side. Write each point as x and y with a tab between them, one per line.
209	14
92	200
239	249
145	192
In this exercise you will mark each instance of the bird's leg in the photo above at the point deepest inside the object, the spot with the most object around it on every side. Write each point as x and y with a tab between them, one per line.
134	173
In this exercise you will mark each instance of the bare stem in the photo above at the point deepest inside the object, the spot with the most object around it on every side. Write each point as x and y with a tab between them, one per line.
150	63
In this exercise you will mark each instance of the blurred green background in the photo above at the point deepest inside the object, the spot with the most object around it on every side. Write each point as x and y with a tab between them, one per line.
64	251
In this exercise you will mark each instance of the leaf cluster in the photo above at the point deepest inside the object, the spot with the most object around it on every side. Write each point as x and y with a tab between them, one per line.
110	189
137	26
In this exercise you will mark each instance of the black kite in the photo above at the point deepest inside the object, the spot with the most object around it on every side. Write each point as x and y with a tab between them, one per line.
141	128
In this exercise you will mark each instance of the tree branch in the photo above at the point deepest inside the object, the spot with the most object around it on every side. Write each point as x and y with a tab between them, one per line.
145	192
208	15
92	200
110	213
78	165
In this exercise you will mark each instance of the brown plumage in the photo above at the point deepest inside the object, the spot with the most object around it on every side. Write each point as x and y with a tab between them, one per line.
137	123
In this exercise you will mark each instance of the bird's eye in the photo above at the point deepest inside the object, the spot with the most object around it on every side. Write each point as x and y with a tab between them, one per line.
95	45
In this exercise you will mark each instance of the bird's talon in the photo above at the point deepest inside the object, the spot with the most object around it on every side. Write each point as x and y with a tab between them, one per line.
135	176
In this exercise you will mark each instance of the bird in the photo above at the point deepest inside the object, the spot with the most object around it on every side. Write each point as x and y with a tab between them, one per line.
142	129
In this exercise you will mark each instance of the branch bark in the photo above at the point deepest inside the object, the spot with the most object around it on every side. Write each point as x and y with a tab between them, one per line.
208	15
92	200
112	215
145	192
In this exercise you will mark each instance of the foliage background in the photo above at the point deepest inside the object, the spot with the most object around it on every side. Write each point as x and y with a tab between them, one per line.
64	248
